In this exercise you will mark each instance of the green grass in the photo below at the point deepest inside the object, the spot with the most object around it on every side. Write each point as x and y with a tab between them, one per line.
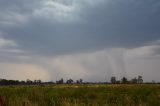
81	95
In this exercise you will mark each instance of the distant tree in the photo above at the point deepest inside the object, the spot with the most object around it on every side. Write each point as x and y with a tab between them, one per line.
22	82
39	81
4	82
80	81
124	80
118	82
70	81
134	80
140	80
9	82
60	81
28	81
113	80
77	81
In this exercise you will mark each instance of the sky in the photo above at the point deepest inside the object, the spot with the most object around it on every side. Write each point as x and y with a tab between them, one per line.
88	39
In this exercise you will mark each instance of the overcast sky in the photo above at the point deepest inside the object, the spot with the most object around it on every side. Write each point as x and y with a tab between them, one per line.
88	39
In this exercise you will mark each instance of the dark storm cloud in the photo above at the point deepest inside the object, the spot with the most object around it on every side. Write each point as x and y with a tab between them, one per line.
20	6
117	23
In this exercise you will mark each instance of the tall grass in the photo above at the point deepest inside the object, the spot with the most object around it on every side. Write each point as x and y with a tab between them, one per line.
81	95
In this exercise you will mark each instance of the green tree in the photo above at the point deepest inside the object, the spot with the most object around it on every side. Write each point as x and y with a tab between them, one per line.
124	80
134	80
113	80
70	81
140	80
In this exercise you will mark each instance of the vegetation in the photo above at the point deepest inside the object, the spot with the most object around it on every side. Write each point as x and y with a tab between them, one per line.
122	92
113	80
81	95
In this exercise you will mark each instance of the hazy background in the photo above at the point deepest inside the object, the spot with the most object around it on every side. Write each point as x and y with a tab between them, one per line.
88	39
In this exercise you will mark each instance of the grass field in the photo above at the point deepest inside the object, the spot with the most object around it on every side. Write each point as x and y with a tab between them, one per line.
81	95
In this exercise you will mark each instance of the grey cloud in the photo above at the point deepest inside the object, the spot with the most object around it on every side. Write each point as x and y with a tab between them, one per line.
65	29
156	50
109	24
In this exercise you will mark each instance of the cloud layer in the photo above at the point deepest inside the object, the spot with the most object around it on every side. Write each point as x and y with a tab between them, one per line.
57	26
49	30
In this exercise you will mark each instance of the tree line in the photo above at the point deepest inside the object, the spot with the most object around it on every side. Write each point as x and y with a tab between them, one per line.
17	82
113	80
124	80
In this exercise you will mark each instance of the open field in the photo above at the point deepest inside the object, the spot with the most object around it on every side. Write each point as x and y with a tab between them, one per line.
81	95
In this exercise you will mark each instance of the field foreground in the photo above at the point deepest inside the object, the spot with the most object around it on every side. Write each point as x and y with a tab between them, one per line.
80	95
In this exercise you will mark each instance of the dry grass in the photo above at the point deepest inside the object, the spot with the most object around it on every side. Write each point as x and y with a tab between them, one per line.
81	95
